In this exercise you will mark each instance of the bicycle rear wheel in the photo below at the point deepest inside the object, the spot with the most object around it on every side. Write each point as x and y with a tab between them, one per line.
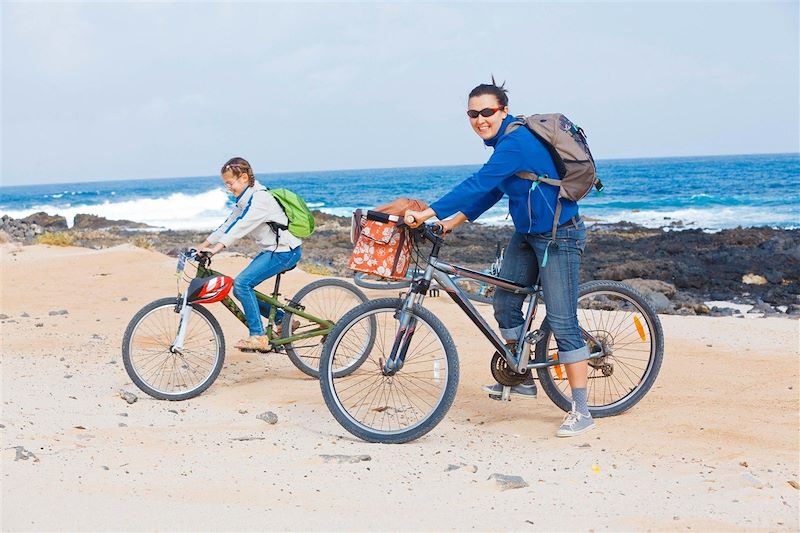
389	408
628	333
163	372
327	299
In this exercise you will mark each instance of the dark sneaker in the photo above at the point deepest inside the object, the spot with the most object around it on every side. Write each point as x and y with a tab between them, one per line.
524	390
575	424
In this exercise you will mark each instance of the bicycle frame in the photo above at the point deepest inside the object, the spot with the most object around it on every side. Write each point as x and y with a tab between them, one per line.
440	271
323	326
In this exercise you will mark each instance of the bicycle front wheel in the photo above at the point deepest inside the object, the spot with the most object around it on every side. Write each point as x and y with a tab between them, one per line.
377	407
326	299
160	370
620	324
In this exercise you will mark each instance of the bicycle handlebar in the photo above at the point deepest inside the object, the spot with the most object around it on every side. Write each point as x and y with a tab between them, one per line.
203	258
384	217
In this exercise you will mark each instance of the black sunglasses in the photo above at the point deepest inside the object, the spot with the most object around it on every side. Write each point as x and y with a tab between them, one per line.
486	112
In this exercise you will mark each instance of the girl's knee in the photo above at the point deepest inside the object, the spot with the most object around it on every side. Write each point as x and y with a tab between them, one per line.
241	286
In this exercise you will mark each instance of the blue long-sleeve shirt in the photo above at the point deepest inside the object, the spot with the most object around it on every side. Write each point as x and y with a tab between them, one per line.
532	208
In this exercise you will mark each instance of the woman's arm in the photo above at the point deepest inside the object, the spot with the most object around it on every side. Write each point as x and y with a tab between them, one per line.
481	189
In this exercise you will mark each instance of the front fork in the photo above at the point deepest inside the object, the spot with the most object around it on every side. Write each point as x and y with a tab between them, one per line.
185	312
407	326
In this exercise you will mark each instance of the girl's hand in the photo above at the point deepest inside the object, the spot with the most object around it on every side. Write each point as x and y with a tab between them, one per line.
211	250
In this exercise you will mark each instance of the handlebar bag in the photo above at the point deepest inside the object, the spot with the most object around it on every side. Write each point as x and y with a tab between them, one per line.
381	249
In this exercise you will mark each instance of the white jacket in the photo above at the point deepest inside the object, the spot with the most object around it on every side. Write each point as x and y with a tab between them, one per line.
254	209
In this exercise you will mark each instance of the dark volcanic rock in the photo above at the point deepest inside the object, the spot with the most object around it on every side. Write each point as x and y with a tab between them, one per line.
48	222
694	266
88	222
707	265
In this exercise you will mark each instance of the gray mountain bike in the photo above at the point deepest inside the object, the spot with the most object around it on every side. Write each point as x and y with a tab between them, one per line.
404	364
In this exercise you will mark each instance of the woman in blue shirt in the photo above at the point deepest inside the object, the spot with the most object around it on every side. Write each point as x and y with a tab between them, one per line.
531	252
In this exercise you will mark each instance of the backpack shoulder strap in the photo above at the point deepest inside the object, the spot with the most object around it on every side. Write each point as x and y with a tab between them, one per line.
276	227
520	121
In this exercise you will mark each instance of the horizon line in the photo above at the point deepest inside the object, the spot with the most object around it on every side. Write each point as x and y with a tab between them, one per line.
2	186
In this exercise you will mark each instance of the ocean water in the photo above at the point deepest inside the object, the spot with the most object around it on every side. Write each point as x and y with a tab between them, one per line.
709	193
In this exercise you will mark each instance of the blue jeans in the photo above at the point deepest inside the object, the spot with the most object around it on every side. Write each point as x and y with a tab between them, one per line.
559	279
262	267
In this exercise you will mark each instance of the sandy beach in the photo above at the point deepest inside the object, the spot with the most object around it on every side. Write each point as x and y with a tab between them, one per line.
713	447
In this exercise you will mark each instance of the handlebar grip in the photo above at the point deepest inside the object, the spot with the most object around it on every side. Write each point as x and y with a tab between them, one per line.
382	217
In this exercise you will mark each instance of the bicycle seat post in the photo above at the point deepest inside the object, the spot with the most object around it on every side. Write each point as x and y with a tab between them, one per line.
275	292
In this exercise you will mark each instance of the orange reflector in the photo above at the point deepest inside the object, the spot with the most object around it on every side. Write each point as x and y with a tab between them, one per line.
558	368
639	328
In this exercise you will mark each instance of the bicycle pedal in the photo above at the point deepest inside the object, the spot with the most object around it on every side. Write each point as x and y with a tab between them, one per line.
504	396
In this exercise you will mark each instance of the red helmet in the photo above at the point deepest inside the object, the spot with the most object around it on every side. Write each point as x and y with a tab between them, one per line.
209	290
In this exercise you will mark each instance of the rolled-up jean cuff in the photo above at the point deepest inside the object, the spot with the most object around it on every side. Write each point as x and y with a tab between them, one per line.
573	356
512	334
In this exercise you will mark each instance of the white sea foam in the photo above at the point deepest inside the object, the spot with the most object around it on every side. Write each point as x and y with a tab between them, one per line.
178	211
707	219
207	210
339	211
690	218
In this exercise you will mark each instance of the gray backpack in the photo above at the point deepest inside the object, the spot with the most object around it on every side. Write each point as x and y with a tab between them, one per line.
567	145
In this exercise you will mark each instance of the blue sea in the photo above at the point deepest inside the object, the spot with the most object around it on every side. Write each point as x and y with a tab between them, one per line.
709	193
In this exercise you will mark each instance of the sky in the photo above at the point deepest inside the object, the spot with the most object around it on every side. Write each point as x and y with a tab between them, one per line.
104	91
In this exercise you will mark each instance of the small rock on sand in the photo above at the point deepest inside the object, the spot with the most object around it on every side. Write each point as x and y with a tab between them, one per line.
59	312
752	481
269	417
128	396
504	482
462	466
24	455
342	459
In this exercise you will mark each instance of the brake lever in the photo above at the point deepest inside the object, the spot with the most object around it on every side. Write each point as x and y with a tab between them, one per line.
203	258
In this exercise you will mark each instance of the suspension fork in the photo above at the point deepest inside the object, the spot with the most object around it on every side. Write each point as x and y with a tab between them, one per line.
185	312
408	323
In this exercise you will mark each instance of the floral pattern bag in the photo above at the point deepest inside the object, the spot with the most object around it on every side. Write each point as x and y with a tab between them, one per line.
381	249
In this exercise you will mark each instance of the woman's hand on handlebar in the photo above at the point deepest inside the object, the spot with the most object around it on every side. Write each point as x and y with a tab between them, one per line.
416	218
451	223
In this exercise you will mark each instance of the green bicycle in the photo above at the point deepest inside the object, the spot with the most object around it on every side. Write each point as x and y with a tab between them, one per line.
174	347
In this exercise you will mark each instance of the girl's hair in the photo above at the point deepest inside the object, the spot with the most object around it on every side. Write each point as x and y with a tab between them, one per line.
239	166
498	91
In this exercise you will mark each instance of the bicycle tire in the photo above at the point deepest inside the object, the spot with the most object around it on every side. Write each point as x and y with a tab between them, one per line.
386	389
330	303
155	325
603	308
369	281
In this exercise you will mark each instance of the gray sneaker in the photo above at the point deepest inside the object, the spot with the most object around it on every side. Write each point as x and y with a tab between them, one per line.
575	424
523	390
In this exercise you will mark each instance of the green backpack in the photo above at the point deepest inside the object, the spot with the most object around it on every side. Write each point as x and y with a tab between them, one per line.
301	221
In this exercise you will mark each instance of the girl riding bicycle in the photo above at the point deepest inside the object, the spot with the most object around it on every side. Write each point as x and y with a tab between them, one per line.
531	253
258	213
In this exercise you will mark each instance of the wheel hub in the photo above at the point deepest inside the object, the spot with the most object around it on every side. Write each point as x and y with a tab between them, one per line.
604	345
